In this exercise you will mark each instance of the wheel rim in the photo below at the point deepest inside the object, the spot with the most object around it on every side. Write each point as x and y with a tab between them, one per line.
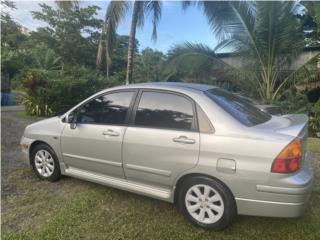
204	204
44	163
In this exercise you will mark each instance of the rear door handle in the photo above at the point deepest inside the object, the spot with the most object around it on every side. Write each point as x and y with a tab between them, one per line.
110	132
184	139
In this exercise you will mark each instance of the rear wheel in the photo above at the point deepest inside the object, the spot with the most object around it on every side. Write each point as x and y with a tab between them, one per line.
207	203
45	163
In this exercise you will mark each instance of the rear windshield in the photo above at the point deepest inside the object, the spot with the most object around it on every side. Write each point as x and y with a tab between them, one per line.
240	109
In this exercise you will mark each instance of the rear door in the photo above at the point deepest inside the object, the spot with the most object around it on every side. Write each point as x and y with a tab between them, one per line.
162	140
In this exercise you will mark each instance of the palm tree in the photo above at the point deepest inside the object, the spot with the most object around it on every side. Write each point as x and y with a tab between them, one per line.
66	5
266	34
115	15
199	63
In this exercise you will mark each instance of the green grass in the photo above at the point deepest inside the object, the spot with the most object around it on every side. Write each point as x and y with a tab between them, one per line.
74	209
314	145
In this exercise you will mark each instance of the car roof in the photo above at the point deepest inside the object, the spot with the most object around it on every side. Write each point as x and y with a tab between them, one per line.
170	86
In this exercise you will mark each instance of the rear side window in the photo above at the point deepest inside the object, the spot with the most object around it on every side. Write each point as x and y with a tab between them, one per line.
240	109
110	108
164	110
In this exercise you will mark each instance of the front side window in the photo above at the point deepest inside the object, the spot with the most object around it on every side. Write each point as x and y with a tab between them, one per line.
237	107
110	108
164	110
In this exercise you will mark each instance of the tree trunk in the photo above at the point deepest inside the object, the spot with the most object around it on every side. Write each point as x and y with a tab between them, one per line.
107	48
99	55
131	46
107	68
100	47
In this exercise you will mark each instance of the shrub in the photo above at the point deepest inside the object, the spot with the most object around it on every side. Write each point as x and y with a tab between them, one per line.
314	120
76	84
68	91
314	95
36	91
293	101
48	93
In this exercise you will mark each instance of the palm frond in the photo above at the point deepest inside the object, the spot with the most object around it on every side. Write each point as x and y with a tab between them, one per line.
222	18
195	56
115	13
187	3
291	75
191	49
139	8
154	8
277	31
267	33
200	60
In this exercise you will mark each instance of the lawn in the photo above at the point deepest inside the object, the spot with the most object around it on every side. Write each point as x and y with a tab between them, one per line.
314	145
74	209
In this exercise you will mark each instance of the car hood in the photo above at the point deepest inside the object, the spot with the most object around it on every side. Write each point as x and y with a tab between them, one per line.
44	122
50	126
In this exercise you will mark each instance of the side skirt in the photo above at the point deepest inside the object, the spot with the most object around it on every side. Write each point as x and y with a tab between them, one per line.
123	184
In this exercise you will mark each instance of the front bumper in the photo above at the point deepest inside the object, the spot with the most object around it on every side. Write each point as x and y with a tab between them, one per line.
25	144
290	199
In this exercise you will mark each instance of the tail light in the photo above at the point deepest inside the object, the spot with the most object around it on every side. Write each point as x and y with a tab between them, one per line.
289	159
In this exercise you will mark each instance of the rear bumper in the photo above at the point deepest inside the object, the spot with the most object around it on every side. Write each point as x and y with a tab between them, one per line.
270	209
290	200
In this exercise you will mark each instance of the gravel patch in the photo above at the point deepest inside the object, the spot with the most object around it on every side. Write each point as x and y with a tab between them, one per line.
12	158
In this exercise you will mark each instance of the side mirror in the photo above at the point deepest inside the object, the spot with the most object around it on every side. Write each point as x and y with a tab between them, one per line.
71	118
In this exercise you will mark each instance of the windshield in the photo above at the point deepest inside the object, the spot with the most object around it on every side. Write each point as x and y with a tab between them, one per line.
240	109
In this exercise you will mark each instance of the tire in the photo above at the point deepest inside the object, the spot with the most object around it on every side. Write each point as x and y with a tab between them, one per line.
45	163
206	203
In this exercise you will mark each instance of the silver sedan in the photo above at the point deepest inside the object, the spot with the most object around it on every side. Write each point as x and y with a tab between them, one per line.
200	147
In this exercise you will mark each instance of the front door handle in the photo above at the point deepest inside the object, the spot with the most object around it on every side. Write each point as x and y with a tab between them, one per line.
184	139
110	132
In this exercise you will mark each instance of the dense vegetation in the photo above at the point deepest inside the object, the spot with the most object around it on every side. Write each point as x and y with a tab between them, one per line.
55	66
76	54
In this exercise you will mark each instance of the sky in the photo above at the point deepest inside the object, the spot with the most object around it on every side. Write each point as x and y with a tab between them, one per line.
176	26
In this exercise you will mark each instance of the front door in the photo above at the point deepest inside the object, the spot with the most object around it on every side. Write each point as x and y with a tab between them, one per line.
163	140
95	144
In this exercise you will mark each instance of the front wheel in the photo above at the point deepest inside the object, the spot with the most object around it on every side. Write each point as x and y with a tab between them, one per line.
207	203
45	163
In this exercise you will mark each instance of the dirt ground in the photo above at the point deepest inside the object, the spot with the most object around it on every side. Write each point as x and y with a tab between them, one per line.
21	190
12	129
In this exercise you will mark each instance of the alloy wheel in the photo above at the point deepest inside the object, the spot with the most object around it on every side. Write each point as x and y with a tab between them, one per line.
44	163
204	204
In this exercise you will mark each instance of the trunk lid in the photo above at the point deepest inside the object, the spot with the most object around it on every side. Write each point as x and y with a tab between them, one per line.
295	125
